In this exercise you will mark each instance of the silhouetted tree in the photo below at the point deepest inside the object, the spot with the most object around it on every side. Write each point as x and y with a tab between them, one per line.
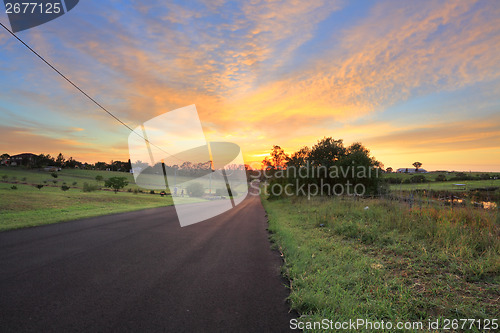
60	160
278	159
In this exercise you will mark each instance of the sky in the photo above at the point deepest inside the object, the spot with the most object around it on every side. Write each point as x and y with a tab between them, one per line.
411	80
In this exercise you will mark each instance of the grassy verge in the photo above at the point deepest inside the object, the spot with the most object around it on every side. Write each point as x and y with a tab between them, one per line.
28	206
387	262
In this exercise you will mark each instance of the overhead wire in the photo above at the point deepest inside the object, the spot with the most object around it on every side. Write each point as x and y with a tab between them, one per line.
82	91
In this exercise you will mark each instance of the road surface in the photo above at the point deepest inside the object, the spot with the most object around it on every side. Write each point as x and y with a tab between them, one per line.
140	271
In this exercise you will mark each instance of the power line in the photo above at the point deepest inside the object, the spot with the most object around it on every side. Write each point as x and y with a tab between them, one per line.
81	90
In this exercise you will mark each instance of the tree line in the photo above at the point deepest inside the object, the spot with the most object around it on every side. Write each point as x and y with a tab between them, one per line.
60	161
327	164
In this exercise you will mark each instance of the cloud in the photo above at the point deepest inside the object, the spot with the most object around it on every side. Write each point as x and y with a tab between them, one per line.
483	133
255	73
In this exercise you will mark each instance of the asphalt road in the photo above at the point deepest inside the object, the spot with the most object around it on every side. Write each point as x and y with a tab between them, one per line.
141	271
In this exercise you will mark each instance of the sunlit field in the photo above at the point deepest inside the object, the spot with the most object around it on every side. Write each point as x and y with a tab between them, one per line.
382	260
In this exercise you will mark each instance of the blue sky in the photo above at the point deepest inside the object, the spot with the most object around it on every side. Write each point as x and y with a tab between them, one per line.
410	80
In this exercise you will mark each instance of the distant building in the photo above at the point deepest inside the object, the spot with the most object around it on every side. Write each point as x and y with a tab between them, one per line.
411	170
22	159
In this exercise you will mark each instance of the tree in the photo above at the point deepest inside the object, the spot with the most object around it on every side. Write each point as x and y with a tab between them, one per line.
389	170
44	160
4	156
326	152
417	165
60	160
71	163
278	159
299	158
357	158
101	166
116	183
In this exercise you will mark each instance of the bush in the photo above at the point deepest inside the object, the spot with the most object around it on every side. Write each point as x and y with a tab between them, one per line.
90	187
54	174
416	179
195	190
393	180
74	183
39	186
14	187
55	181
484	176
4	177
129	190
461	176
23	179
441	178
152	192
116	183
64	188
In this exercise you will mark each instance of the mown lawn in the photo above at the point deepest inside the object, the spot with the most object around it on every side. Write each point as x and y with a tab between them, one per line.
379	260
27	206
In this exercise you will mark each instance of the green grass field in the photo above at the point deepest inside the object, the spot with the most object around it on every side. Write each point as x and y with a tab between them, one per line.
78	177
27	206
448	185
387	262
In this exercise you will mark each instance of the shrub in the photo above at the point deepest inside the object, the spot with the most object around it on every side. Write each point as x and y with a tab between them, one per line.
90	187
4	177
393	180
55	181
152	192
461	176
23	179
14	187
74	183
64	188
441	178
136	191
39	186
195	190
54	174
416	179
129	190
484	176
